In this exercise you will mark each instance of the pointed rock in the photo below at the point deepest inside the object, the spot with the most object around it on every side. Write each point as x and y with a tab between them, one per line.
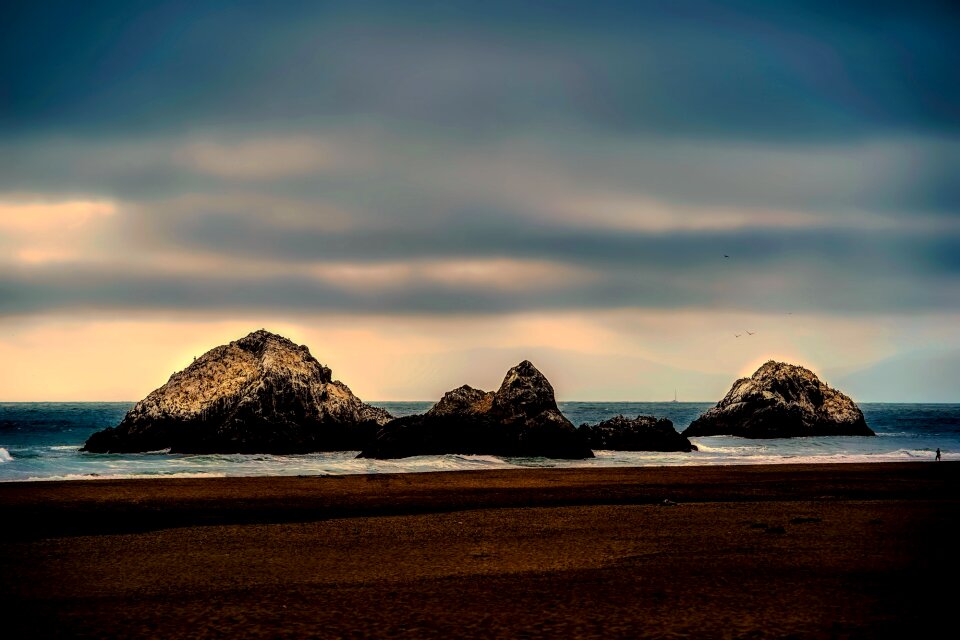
644	433
520	419
781	400
524	393
259	394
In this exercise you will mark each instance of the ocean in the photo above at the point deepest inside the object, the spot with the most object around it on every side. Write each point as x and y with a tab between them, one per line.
41	441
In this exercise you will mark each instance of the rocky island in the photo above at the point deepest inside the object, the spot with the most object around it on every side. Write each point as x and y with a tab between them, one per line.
259	394
643	433
781	400
520	419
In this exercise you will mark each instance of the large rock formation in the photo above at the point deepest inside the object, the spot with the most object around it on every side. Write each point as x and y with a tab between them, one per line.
259	394
520	419
781	401
644	433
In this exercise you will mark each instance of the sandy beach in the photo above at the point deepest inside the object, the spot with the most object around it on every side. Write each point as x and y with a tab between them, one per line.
755	551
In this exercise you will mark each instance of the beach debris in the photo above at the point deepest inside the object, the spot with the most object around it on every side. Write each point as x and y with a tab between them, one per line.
259	394
643	433
520	419
667	502
781	400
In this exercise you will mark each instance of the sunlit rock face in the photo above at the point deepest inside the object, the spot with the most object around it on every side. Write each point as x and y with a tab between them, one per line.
259	394
461	401
781	400
643	433
520	419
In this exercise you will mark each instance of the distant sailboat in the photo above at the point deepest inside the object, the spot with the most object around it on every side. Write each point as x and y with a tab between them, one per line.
674	396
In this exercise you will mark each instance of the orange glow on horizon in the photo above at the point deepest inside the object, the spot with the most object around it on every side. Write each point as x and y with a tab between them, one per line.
603	355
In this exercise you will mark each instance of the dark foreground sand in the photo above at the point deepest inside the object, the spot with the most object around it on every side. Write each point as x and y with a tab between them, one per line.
764	551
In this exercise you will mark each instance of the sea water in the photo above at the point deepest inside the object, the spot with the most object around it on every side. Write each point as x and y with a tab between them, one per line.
41	441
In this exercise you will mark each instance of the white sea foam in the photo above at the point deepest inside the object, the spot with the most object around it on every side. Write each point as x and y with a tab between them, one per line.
123	476
5	455
705	448
326	465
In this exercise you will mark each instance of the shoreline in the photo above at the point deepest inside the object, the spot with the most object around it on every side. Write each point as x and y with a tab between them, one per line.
841	550
469	464
39	507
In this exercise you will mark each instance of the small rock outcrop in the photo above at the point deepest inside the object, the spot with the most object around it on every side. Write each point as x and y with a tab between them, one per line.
643	433
462	401
259	394
519	419
781	401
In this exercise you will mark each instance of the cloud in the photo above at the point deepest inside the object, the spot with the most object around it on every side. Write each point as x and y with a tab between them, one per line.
258	158
29	215
151	167
572	176
432	225
447	161
400	223
36	230
738	70
494	268
487	274
481	234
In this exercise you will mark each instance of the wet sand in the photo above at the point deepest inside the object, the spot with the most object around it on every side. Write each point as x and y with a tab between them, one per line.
761	551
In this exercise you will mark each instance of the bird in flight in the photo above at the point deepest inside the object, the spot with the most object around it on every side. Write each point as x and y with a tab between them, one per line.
751	332
725	256
736	335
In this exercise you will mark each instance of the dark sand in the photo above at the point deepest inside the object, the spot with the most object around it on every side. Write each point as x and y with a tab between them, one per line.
762	551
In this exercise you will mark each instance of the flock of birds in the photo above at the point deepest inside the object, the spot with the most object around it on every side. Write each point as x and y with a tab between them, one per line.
749	333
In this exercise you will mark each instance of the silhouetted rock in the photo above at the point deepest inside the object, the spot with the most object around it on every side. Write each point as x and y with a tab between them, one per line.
259	394
519	419
644	433
781	401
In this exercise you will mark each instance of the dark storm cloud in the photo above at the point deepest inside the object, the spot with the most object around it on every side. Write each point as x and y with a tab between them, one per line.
772	271
486	234
794	70
408	173
534	131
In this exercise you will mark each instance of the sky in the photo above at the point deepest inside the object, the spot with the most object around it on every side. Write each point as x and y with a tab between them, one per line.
644	198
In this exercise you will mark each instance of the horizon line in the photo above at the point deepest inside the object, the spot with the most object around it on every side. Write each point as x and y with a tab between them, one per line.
366	401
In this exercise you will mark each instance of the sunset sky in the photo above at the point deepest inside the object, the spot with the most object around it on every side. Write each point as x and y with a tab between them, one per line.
427	193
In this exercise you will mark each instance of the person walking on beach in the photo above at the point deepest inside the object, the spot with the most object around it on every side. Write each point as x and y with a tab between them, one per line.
937	459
